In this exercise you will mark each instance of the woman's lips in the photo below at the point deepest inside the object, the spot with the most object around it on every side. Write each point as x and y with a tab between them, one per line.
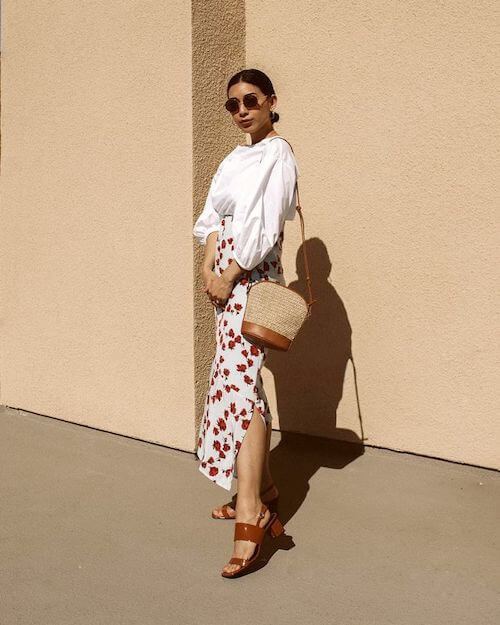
246	122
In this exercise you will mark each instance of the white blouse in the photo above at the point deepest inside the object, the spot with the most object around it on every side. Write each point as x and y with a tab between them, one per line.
255	184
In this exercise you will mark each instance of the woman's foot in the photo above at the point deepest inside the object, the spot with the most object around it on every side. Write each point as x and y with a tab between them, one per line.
268	493
246	548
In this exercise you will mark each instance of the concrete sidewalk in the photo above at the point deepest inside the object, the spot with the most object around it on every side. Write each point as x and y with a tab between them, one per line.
101	529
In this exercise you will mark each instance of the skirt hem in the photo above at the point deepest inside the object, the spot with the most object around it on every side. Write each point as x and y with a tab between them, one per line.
221	479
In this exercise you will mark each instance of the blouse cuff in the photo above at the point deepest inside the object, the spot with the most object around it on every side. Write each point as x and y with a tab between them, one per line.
202	239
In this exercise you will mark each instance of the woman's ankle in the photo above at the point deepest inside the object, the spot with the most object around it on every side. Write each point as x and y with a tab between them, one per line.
249	502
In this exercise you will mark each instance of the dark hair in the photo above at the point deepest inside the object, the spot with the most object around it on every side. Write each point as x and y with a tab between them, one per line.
258	78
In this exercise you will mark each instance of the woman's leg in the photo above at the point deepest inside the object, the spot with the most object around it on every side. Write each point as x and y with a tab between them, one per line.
266	478
251	459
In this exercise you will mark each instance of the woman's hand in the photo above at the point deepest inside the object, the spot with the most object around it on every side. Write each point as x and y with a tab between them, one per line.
219	289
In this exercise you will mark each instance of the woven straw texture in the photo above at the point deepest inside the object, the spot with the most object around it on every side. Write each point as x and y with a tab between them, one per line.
276	307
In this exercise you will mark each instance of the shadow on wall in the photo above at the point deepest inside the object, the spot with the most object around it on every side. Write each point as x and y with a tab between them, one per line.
309	381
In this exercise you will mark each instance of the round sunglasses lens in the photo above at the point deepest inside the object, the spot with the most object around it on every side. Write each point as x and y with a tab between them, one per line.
250	100
232	106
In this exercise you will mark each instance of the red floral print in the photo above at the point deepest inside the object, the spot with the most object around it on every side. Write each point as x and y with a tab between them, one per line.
222	424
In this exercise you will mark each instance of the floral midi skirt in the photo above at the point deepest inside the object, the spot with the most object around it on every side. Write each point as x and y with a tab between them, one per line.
235	382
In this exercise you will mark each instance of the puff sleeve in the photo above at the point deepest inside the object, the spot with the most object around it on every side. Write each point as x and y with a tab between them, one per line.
262	209
209	219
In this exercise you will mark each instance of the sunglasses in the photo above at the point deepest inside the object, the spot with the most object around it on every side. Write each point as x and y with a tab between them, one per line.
250	100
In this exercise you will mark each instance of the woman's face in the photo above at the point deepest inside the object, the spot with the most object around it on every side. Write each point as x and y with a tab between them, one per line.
252	120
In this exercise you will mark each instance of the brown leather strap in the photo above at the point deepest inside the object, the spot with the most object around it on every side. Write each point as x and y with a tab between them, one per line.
247	531
302	230
225	513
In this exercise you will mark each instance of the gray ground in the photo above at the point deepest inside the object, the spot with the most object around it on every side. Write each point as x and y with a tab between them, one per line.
100	529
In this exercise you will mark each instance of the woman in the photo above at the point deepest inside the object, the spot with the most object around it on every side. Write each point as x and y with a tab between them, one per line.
251	195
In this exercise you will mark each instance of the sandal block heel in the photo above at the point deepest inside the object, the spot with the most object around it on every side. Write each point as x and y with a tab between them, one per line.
277	528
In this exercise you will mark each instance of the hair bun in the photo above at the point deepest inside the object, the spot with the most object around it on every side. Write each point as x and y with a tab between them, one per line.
274	117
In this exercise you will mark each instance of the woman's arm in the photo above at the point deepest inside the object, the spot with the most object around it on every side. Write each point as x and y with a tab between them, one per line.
232	272
218	288
209	259
260	214
208	263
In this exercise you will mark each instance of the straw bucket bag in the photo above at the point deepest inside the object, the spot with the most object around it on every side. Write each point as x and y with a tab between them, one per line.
274	313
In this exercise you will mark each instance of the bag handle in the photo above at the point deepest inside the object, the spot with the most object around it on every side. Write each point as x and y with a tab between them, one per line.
298	207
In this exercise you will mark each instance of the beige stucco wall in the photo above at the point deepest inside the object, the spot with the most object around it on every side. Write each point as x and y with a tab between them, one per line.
97	291
112	126
390	108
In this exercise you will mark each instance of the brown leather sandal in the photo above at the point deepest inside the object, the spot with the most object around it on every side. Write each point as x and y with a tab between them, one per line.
254	533
224	509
